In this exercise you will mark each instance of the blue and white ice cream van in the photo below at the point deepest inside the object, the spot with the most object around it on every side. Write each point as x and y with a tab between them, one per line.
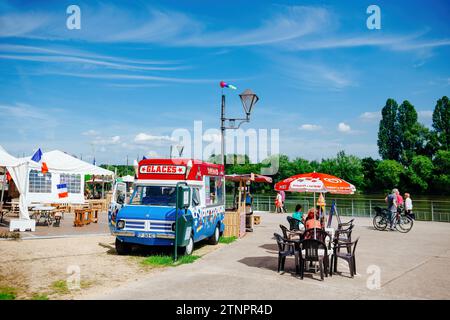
147	215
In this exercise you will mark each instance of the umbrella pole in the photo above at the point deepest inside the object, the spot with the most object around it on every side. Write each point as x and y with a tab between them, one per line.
314	210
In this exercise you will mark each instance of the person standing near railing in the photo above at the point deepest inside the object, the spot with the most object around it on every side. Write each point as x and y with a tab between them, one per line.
409	206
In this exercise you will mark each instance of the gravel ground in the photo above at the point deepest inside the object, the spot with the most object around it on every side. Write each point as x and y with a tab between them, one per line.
36	267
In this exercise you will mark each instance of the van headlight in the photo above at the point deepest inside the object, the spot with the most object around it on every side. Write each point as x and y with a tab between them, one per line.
120	224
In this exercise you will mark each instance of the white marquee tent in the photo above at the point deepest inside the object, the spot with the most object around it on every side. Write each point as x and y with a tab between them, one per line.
18	169
35	187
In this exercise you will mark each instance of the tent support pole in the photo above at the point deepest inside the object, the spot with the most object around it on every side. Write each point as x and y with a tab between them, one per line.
3	189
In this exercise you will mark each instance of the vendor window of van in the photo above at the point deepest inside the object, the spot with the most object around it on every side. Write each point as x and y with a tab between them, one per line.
72	181
40	182
154	196
214	191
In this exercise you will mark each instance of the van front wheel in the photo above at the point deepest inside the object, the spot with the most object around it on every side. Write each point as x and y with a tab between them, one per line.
214	239
122	248
187	251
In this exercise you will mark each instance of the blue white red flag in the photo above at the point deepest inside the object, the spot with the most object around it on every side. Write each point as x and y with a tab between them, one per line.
62	190
37	157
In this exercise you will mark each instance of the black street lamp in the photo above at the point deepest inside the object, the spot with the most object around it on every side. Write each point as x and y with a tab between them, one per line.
248	99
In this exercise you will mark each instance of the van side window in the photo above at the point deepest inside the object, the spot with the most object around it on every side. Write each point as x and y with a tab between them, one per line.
195	197
214	190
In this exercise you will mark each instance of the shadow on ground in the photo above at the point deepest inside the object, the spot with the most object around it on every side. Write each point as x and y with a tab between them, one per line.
145	251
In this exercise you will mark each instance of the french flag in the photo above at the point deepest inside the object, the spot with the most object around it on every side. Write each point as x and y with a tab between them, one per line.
62	190
37	157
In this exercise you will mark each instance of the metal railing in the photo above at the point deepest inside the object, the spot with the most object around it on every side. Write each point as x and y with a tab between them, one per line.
425	210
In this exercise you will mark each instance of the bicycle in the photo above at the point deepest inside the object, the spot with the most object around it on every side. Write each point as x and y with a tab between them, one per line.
382	219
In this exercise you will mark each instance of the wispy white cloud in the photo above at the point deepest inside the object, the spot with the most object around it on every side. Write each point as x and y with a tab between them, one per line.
91	133
22	24
148	138
291	23
69	59
65	51
314	75
119	76
370	116
169	27
310	127
101	141
421	44
24	111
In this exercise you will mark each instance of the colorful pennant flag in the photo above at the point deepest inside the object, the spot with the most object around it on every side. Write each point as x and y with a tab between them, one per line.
227	85
37	157
62	190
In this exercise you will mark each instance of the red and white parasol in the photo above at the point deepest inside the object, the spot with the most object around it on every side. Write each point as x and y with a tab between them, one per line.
315	182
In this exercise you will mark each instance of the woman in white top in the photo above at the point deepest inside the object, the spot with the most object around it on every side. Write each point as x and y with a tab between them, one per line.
409	206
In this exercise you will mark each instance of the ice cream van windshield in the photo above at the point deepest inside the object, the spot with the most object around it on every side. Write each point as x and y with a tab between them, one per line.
154	196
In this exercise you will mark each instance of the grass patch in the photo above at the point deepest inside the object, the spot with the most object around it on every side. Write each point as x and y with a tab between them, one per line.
38	296
60	287
227	240
7	293
167	261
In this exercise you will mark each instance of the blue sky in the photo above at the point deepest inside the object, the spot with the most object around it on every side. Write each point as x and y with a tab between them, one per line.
135	72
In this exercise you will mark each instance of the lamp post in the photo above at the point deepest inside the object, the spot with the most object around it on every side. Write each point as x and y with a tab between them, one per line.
248	99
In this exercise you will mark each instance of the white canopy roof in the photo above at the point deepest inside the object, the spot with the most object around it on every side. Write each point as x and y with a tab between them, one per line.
7	160
58	161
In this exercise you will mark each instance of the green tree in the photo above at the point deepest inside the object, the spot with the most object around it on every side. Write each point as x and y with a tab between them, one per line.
388	142
388	173
412	136
441	123
347	167
441	174
368	168
419	173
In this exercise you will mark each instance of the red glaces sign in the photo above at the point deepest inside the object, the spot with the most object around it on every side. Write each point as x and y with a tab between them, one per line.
162	169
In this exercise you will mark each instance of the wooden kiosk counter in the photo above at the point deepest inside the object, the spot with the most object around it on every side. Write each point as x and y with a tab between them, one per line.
240	219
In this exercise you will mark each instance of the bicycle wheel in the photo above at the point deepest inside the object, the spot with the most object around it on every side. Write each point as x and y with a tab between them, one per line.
404	224
380	222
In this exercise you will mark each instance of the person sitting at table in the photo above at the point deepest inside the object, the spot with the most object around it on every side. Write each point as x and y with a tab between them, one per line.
310	222
298	214
310	213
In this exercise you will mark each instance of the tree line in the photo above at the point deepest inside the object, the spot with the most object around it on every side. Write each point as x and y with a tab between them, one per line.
413	157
